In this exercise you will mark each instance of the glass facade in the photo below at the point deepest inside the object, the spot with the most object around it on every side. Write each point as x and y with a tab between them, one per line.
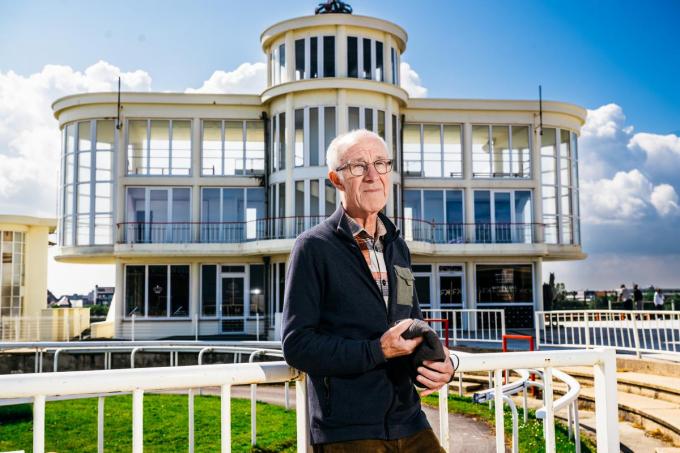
501	151
232	214
12	272
157	291
278	141
315	128
159	147
314	57
232	148
158	215
559	186
433	150
87	181
365	58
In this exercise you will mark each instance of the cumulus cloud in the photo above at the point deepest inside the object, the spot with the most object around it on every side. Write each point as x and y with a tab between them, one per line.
662	152
628	196
29	134
248	78
665	199
410	81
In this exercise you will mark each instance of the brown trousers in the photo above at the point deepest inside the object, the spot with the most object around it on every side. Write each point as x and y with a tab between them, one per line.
421	442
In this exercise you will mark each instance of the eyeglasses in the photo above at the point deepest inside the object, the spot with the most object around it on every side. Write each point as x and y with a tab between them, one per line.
361	168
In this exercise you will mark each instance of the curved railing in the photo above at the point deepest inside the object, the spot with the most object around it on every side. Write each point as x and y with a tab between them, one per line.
40	387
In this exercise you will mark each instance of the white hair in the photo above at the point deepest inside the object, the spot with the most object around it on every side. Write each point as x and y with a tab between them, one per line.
343	142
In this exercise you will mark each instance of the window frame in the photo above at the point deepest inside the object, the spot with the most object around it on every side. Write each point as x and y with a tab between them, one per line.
168	302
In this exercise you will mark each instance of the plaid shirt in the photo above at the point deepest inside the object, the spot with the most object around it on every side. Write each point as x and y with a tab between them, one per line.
373	252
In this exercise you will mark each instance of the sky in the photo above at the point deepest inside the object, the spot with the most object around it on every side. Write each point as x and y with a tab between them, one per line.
618	59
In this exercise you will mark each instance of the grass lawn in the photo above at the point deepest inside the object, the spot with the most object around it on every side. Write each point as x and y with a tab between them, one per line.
71	425
530	435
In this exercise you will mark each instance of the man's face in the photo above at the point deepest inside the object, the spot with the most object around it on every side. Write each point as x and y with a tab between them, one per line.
365	194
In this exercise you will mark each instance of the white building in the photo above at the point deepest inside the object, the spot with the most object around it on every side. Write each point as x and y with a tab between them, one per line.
197	198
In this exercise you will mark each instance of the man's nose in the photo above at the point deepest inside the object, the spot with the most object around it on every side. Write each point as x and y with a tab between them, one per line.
371	172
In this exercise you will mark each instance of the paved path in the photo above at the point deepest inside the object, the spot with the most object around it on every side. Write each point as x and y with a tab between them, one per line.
467	434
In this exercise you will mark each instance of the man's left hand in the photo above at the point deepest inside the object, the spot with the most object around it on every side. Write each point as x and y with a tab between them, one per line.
434	375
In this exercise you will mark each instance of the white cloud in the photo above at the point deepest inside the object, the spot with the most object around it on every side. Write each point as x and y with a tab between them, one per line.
606	121
665	199
248	78
29	134
662	152
410	81
627	197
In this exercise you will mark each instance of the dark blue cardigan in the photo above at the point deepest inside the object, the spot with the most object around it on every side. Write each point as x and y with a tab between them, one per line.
333	318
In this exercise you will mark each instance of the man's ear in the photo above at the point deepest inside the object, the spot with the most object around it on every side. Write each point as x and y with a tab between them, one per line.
335	179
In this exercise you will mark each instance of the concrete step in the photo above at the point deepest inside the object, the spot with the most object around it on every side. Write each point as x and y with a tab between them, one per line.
649	385
655	416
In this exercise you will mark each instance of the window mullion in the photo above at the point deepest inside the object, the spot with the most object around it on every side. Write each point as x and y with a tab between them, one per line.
93	185
167	283
170	147
244	144
146	290
305	137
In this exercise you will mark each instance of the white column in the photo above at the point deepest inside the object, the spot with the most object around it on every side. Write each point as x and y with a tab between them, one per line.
538	284
290	57
341	51
387	58
470	292
539	232
341	111
290	153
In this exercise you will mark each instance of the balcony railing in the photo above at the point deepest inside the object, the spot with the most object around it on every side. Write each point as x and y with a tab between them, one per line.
459	233
291	227
215	232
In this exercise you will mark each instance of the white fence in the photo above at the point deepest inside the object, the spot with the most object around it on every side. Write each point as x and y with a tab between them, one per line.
100	383
467	325
57	327
635	331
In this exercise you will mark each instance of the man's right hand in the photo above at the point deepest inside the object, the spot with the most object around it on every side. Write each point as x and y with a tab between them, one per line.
394	345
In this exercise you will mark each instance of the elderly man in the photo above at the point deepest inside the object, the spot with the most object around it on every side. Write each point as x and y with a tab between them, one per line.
350	295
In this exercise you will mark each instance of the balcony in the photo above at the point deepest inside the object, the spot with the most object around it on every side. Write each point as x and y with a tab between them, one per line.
291	227
215	232
465	233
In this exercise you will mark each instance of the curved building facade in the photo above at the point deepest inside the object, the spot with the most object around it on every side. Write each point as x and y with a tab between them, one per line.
197	198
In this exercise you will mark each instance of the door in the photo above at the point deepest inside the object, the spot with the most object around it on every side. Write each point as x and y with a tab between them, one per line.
233	299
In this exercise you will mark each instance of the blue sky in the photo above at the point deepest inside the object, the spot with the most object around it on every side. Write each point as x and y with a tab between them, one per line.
619	59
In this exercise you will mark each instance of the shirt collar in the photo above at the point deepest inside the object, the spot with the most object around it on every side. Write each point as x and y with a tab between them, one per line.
357	229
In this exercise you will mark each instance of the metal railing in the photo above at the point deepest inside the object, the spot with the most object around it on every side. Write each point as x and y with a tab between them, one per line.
291	227
468	325
41	387
624	330
215	232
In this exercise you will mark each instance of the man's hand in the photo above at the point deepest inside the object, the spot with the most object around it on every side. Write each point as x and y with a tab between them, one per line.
394	345
434	375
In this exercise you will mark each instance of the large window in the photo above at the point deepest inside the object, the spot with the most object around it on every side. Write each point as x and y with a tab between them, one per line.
366	118
87	181
278	141
12	270
434	216
314	57
157	291
503	216
440	286
501	152
365	58
433	150
278	64
158	215
159	147
315	128
559	185
232	147
232	214
505	284
394	57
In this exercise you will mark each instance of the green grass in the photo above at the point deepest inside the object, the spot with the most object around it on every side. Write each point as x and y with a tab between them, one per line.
71	425
530	434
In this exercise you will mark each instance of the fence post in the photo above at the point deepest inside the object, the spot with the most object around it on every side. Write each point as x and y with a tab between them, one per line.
444	417
39	424
586	316
636	337
454	321
606	408
301	415
537	327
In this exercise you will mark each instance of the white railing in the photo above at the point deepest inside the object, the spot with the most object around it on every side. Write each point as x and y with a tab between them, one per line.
59	326
41	387
625	330
467	325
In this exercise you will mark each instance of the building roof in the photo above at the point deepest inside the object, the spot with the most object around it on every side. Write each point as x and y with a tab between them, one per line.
51	223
